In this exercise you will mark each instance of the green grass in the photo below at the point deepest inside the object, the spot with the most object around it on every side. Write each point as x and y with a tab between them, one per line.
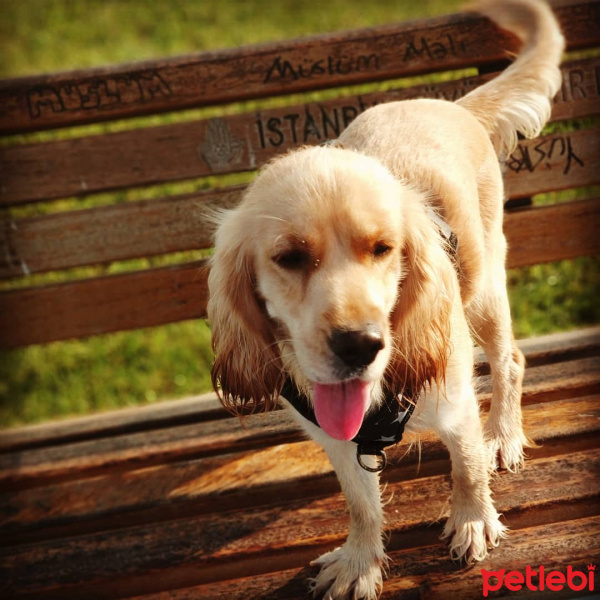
555	296
104	372
130	368
49	35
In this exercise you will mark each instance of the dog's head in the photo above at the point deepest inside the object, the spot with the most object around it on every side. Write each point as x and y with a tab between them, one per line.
326	272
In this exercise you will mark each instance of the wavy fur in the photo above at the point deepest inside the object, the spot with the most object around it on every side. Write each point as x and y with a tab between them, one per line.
339	239
247	372
519	99
421	319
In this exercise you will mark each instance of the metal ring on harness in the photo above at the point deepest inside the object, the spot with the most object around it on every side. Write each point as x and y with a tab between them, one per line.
362	451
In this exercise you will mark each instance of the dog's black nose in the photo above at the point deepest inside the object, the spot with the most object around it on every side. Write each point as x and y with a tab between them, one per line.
357	348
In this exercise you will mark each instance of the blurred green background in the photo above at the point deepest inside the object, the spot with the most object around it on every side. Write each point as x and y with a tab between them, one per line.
110	371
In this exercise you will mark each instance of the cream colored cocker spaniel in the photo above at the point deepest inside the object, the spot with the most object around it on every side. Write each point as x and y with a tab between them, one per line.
332	278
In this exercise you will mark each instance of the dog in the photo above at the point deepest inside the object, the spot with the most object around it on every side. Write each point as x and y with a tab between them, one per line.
354	277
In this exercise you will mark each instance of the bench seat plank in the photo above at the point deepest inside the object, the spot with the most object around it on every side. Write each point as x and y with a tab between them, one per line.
192	527
552	348
217	546
208	439
427	571
144	417
244	479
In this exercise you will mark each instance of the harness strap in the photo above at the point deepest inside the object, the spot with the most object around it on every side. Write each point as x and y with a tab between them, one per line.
380	429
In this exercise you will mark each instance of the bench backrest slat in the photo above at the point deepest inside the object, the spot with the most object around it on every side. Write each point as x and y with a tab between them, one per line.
103	304
167	294
319	62
112	233
230	144
554	162
175	224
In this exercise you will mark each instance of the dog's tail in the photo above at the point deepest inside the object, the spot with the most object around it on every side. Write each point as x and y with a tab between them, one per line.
519	99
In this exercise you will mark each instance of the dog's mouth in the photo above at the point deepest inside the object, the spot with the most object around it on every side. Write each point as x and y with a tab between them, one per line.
340	407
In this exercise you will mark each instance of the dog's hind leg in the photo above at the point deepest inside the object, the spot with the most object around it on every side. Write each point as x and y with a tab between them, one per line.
473	525
489	316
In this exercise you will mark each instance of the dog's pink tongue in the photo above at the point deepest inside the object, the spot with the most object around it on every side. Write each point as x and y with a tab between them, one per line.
340	407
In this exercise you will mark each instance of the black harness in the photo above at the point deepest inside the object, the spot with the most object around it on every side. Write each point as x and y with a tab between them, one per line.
381	428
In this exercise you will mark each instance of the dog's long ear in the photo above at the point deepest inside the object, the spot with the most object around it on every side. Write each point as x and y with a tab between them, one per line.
247	372
421	317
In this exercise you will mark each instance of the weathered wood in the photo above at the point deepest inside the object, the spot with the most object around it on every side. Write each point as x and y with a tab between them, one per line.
166	413
205	549
544	234
105	234
243	142
111	303
185	488
427	571
558	347
178	501
579	94
554	382
554	348
155	227
555	545
119	302
111	233
554	162
238	480
326	61
30	467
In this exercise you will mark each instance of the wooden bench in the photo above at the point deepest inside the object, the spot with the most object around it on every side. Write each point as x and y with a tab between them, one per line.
178	500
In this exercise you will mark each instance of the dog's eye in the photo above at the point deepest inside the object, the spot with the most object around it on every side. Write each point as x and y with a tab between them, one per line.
292	260
381	249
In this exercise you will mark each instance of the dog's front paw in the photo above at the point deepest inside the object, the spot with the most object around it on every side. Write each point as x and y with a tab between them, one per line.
470	539
347	574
